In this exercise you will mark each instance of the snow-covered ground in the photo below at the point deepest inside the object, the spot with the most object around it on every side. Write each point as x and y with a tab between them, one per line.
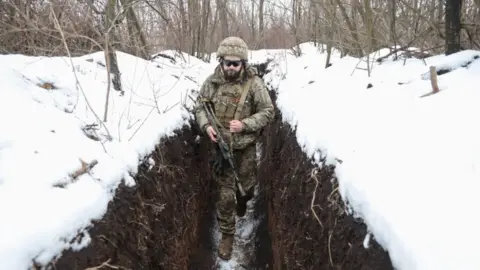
410	165
50	130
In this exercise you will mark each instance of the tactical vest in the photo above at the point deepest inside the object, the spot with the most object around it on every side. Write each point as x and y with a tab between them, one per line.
229	102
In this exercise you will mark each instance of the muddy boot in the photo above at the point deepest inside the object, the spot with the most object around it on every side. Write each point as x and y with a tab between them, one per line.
226	246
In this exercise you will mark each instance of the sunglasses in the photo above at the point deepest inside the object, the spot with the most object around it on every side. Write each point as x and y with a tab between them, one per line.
228	63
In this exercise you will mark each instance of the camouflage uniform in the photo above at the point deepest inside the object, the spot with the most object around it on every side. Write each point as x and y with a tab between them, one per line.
257	111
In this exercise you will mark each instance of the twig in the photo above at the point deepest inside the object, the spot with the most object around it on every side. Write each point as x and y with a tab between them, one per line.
107	240
107	264
148	115
85	168
312	204
79	87
332	193
108	78
329	243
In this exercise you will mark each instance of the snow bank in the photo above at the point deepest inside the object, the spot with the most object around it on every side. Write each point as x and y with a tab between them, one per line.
50	127
408	166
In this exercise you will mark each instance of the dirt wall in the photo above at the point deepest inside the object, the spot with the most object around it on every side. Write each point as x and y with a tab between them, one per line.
163	222
297	238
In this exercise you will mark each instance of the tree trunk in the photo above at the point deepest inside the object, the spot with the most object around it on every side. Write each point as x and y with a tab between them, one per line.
440	10
252	22
183	26
192	19
316	21
392	10
351	28
135	31
261	23
452	26
214	29
371	44
204	29
111	56
223	17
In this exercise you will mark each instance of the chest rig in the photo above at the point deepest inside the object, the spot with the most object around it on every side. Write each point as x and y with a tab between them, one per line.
230	102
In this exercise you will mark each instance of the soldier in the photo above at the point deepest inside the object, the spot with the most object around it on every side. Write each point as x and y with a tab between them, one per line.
242	108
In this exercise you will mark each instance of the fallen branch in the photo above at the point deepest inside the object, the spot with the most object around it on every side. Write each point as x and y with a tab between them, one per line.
86	167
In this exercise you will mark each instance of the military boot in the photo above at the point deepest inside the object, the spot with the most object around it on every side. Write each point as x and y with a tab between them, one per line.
226	246
242	203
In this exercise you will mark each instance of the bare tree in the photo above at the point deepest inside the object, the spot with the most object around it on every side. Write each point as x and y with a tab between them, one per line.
145	27
392	8
223	14
136	36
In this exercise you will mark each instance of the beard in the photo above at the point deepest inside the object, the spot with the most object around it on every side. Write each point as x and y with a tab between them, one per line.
231	75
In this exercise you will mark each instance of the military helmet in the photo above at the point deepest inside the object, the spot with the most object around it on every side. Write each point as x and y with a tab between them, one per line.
233	46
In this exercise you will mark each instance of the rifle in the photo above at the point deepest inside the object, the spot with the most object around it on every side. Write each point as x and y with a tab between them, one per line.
224	148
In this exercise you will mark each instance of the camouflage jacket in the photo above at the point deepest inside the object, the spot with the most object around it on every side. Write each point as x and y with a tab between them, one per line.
257	111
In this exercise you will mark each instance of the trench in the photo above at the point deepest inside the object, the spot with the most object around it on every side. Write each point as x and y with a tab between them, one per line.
167	220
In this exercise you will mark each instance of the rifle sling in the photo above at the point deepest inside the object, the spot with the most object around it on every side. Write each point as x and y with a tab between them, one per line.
239	110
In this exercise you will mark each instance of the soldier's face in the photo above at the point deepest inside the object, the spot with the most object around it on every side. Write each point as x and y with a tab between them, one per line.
231	67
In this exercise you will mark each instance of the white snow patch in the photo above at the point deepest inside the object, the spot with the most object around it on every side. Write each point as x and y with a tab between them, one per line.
410	165
42	143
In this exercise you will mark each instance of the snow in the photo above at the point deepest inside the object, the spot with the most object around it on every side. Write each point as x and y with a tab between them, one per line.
410	165
43	142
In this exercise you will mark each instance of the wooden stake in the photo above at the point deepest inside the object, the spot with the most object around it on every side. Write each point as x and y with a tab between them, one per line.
434	80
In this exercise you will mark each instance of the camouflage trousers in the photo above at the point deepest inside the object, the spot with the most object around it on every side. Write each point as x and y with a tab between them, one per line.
246	165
